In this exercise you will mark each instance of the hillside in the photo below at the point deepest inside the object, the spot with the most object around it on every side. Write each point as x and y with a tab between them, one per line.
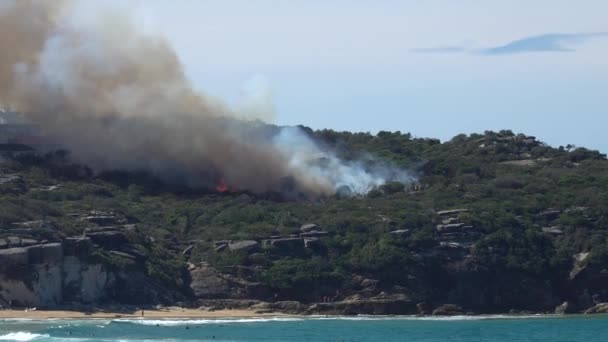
492	222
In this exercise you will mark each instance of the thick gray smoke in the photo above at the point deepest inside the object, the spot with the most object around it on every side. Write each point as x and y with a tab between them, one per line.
119	99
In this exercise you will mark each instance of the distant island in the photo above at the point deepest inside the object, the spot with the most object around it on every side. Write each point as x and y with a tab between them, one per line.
495	222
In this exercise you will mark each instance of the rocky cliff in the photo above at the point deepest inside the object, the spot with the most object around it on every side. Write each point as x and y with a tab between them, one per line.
97	267
51	274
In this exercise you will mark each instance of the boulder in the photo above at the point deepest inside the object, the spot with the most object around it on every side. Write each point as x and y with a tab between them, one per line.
246	245
354	298
451	245
449	228
221	304
262	307
448	310
308	227
552	230
562	308
314	233
369	283
208	283
28	242
598	309
451	212
290	306
13	241
450	220
396	305
3	243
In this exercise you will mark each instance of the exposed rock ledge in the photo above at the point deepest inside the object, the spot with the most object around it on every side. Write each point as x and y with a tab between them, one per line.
598	309
388	306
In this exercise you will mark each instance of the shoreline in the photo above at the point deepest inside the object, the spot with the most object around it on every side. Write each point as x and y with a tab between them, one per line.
186	314
173	312
177	312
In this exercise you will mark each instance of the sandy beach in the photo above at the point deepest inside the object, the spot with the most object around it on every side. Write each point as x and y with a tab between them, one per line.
148	313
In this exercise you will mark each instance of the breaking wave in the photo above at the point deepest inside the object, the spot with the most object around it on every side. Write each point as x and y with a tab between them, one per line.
22	336
178	322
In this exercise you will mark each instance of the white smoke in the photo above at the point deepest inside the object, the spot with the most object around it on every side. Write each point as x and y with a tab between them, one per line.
306	159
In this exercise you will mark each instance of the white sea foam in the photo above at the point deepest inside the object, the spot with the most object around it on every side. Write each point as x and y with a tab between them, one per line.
21	336
432	318
169	322
480	317
180	322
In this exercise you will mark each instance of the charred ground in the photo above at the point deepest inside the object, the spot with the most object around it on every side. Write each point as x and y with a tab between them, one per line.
494	222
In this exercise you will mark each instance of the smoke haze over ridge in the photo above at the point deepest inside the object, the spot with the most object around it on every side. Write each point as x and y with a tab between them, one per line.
118	98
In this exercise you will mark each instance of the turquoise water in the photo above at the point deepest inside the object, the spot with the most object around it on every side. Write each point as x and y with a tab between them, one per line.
385	329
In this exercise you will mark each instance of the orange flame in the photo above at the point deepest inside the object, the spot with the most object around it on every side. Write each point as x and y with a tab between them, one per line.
221	186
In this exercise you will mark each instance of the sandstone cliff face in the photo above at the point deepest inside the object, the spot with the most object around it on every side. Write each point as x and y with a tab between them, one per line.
84	282
41	275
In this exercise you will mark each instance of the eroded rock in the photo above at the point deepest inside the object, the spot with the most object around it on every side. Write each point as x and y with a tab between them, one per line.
246	245
308	227
448	310
600	308
563	308
208	283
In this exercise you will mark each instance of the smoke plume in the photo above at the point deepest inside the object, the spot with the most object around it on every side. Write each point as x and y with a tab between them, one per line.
118	98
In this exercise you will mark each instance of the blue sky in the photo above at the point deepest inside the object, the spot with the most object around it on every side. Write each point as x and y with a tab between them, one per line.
433	68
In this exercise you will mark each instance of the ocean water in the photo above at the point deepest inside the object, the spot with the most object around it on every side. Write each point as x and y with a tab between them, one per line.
384	329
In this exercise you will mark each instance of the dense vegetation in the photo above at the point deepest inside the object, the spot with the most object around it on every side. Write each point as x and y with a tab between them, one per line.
529	208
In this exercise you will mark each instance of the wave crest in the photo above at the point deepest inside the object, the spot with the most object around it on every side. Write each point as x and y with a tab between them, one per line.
178	322
21	336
